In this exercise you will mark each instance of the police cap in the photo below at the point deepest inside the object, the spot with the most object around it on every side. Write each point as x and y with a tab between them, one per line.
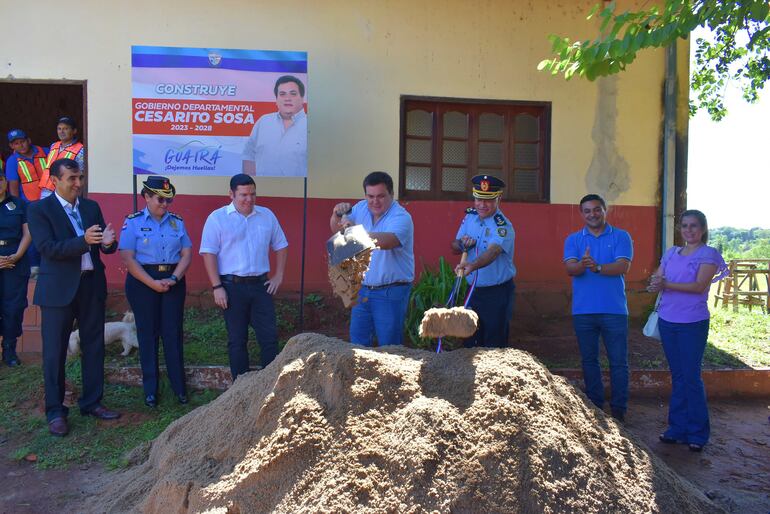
161	186
487	187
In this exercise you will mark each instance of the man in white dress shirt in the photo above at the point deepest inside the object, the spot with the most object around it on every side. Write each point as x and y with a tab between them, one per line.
277	146
235	247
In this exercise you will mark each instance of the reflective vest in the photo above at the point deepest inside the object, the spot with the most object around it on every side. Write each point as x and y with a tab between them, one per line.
53	154
30	173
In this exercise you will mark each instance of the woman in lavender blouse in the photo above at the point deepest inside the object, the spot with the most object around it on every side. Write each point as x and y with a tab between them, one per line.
683	278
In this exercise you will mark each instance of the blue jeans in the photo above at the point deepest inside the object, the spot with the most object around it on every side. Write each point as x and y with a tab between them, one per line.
688	415
613	329
379	312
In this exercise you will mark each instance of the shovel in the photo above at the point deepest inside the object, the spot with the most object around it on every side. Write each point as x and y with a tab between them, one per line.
349	243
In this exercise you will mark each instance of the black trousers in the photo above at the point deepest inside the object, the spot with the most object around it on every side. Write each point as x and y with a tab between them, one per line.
159	316
248	303
13	298
88	309
494	305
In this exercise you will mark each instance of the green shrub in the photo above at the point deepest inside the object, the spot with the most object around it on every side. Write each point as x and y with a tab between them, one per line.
432	290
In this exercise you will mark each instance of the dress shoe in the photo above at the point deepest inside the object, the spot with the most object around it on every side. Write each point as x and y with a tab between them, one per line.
13	361
102	412
619	415
669	440
58	427
182	398
151	400
694	447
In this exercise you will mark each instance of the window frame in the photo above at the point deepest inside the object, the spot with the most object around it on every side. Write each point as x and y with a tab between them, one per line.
438	106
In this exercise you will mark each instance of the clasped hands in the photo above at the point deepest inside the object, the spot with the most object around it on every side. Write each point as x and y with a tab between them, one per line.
587	261
657	284
9	261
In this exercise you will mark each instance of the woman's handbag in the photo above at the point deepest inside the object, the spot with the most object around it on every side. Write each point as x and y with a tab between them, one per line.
651	327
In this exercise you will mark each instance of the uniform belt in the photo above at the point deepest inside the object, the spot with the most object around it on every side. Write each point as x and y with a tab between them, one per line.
392	284
159	267
8	242
237	279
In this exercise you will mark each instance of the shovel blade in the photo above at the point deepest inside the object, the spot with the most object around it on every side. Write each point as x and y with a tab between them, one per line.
343	246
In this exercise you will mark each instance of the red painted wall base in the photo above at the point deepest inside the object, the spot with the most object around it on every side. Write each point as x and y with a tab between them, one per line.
540	232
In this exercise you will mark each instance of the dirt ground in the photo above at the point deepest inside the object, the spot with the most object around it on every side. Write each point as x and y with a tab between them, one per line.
733	470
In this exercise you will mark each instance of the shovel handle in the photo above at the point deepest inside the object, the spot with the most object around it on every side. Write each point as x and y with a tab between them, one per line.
463	259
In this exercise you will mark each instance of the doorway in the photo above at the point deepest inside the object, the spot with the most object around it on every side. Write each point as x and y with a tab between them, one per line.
34	106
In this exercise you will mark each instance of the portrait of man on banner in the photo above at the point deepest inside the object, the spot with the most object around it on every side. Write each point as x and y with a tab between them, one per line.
277	145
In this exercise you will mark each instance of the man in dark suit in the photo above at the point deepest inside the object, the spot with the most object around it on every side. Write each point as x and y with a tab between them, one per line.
70	232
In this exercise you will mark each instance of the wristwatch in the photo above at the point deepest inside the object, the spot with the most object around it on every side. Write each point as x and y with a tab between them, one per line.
598	268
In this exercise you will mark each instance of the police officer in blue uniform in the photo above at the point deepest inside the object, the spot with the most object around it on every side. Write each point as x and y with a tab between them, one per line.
157	251
487	236
14	269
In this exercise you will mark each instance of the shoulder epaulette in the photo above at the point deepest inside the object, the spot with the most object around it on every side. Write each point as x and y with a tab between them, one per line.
499	220
470	210
175	215
134	215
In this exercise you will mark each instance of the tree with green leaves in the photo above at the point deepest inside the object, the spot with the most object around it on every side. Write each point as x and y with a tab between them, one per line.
739	50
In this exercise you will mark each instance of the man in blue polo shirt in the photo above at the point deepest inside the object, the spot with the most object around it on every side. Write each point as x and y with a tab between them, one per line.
597	257
384	296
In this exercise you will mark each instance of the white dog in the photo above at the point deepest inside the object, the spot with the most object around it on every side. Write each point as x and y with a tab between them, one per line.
123	331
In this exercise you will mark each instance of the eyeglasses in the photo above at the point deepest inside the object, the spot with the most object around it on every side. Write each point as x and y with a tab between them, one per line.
165	200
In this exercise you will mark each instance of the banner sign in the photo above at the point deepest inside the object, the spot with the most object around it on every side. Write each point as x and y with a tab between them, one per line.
203	111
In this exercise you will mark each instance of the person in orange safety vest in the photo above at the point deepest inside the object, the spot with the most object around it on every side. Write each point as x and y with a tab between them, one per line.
25	166
67	147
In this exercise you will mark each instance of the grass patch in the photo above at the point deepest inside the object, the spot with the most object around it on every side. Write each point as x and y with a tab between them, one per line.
738	339
90	440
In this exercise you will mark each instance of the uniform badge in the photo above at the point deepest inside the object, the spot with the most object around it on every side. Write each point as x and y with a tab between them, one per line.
499	220
486	232
146	229
172	222
11	206
502	232
146	241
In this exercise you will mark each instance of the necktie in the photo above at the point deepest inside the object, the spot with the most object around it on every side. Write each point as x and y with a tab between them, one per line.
76	216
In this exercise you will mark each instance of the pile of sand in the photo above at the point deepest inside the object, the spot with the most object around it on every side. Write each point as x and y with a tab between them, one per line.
455	322
346	277
338	428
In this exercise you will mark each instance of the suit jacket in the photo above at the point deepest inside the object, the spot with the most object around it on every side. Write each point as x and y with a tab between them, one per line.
61	249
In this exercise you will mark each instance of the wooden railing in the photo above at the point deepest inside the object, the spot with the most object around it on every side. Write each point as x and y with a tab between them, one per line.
748	284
